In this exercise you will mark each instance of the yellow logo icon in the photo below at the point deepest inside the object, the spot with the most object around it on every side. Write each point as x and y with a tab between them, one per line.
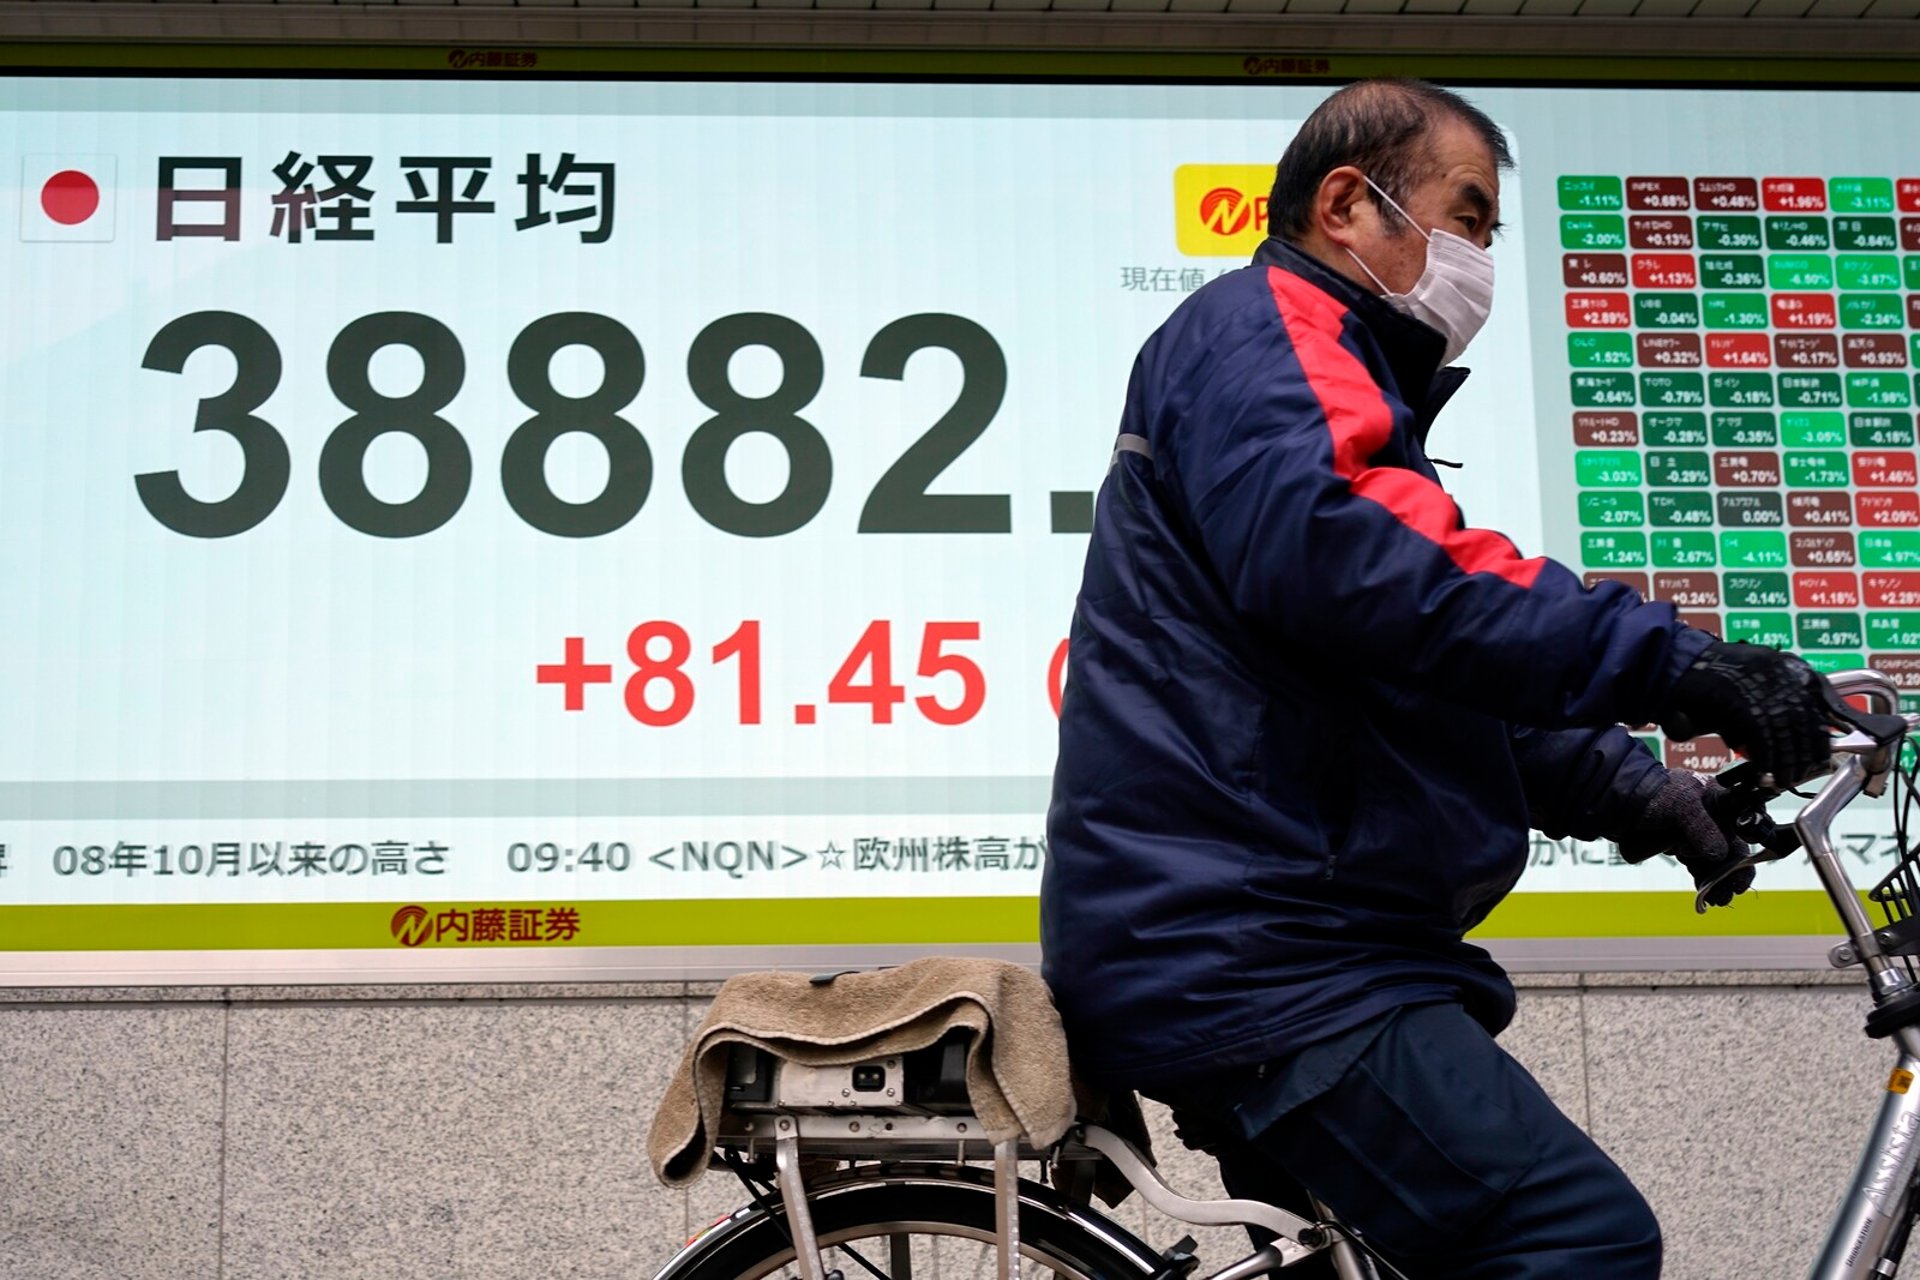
1220	210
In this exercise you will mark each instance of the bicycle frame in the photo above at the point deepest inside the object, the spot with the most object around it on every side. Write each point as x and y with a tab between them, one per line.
1876	1203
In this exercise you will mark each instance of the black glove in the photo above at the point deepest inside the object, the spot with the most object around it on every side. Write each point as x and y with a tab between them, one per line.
1770	706
1693	819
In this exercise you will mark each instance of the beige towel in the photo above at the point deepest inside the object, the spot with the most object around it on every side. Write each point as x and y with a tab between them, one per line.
1017	1075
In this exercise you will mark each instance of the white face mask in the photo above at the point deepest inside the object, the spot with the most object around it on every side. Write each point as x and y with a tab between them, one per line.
1455	291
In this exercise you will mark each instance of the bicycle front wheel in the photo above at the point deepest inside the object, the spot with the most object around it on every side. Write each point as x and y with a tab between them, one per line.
932	1224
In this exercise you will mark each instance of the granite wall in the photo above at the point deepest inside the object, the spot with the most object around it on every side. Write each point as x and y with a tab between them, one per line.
497	1133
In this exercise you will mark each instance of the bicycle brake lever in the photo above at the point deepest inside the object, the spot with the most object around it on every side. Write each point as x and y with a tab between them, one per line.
1766	839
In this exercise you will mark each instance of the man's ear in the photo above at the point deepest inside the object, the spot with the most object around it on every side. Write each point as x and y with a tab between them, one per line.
1341	200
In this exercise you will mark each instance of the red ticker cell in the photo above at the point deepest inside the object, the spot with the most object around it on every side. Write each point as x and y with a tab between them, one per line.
1688	590
1746	469
1888	510
1907	193
1826	591
1657	193
1821	509
1636	581
1910	234
1913	311
1794	195
1804	311
1664	271
1737	351
1829	549
1667	350
1806	350
1726	195
1594	270
1605	430
1649	232
1700	755
1883	470
1903	667
1598	311
1875	350
1889	590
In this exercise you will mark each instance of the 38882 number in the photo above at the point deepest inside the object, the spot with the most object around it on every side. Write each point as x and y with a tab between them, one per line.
898	503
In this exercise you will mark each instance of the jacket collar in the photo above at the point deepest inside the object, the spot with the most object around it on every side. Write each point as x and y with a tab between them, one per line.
1412	348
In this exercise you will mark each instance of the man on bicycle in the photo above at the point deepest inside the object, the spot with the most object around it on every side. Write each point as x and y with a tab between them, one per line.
1311	716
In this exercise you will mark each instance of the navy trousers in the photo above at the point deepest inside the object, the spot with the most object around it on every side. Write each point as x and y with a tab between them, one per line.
1442	1152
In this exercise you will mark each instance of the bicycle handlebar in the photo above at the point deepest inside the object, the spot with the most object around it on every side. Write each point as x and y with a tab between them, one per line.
1864	759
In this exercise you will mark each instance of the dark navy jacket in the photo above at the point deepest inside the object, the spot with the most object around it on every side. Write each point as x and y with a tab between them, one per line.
1293	770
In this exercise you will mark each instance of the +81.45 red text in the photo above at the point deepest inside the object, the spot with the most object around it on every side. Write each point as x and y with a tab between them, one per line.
660	690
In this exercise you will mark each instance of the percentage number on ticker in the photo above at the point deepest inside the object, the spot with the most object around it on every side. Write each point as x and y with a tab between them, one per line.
899	502
661	689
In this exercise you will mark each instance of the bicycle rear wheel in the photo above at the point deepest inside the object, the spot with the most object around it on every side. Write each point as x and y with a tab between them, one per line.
932	1224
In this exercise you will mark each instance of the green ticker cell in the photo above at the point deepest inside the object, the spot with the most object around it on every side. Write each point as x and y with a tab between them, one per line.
1607	468
1893	630
1674	430
1727	231
1801	430
1828	663
1681	510
1591	350
1798	233
1889	549
1755	590
1743	389
1612	509
1602	390
1818	631
1871	311
1593	231
1735	310
1682	469
1676	390
1753	429
1594	192
1753	549
1666	310
1799	271
1652	744
1732	271
1775	630
1613	550
1864	234
1857	195
1810	391
1688	549
1867	271
1876	389
1910	268
1879	430
1823	469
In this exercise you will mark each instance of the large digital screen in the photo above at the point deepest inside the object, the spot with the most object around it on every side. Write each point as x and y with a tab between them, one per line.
556	515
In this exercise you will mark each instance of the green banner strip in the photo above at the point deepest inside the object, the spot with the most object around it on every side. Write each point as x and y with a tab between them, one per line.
329	926
469	61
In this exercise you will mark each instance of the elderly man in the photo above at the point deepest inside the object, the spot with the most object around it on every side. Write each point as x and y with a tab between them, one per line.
1310	717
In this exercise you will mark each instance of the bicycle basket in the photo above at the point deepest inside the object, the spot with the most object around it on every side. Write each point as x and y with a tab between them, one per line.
1898	893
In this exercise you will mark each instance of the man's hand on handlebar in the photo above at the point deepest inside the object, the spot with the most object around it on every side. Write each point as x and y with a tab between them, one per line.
1696	820
1769	706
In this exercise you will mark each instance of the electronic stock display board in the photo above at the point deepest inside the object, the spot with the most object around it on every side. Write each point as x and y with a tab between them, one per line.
573	518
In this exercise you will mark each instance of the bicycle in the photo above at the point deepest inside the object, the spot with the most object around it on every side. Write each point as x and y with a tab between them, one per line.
904	1198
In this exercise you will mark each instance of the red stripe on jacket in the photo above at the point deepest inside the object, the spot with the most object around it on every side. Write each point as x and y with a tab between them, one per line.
1360	422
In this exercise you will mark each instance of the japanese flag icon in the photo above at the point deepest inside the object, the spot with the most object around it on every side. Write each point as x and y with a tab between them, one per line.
67	197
